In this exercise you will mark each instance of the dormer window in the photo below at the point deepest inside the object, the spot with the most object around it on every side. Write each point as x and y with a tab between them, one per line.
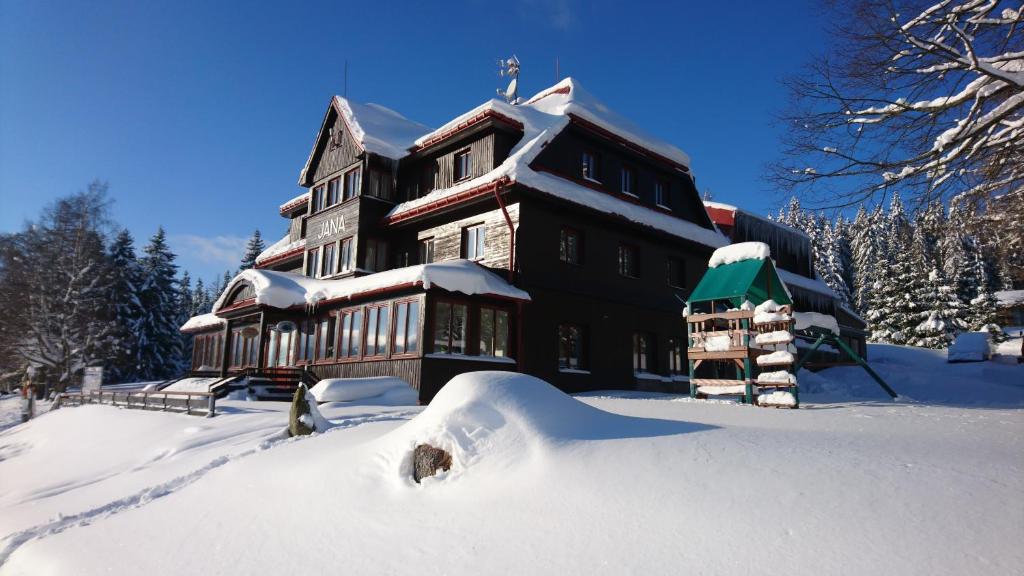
628	181
463	164
589	164
661	193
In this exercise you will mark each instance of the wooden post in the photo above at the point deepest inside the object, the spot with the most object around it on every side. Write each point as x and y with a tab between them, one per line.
211	406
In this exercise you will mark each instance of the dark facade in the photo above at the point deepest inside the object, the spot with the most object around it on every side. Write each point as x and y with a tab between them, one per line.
606	292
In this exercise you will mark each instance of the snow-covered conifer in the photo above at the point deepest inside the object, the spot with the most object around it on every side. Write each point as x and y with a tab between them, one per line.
252	251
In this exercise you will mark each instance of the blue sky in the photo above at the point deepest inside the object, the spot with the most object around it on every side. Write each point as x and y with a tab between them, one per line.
200	114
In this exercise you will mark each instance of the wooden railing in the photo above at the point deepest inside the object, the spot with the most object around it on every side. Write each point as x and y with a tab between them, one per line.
194	403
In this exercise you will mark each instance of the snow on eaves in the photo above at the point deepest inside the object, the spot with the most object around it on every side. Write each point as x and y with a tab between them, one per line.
202	322
543	117
282	246
380	130
811	284
287	289
734	209
294	202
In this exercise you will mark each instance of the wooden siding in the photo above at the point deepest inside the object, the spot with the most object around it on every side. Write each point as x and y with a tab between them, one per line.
348	211
448	236
296	227
330	159
407	369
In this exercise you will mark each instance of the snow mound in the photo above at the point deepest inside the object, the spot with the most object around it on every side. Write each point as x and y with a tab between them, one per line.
351	389
776	337
777	377
191	385
777	398
739	252
970	347
775	358
769	311
502	420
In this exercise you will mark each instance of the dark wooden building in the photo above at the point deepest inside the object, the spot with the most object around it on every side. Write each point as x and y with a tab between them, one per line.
572	239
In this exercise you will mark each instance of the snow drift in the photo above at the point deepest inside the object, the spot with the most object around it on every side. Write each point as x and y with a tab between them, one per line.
506	417
352	389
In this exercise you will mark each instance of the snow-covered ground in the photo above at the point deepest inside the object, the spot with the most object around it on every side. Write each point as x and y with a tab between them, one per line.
603	483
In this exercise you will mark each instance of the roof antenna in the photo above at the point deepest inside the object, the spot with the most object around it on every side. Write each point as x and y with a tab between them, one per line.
345	92
510	68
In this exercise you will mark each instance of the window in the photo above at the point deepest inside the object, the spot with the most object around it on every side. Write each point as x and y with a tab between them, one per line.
325	340
352	182
571	347
628	181
569	247
589	165
493	332
376	255
676	272
473	242
377	330
675	357
407	327
318	198
307	341
628	261
279	348
462	165
327	266
449	328
332	191
345	256
402	259
313	262
350	324
380	184
426	251
643	352
661	193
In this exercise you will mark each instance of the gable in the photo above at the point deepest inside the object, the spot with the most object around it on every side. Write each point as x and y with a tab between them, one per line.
334	149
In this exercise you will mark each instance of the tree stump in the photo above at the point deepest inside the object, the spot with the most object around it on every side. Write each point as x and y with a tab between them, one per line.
427	460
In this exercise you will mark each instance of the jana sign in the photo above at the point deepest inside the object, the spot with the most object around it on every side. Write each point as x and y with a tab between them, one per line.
92	379
331	227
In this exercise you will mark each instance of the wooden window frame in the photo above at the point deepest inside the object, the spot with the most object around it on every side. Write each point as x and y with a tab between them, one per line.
422	249
357	172
380	248
333	269
318	323
583	360
480	227
675	345
342	266
338	332
651	355
333	192
377	331
594	166
465	155
628	170
418	329
635	259
317	198
563	234
466	336
313	262
665	198
479	330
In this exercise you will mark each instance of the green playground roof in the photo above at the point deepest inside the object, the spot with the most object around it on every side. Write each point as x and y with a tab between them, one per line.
754	280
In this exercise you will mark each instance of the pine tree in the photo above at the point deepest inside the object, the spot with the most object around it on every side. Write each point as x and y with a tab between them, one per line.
201	303
891	313
161	344
830	261
126	311
185	307
253	249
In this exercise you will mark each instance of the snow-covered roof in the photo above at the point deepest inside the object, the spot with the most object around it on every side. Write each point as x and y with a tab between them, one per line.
735	209
380	130
1010	297
739	252
282	246
295	202
544	117
202	322
375	128
287	289
811	284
